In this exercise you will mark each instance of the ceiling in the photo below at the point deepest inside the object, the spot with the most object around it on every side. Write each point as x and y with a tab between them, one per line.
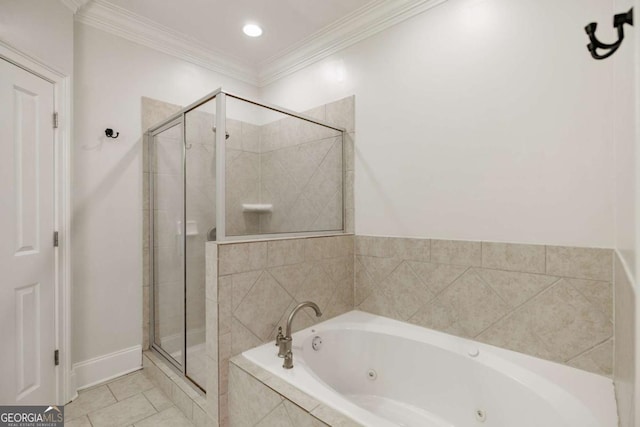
218	23
208	33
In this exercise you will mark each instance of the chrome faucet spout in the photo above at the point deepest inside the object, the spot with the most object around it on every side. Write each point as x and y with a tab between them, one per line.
297	309
284	343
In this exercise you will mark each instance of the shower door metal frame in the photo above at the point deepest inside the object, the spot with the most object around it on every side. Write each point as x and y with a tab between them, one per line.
150	136
221	96
220	209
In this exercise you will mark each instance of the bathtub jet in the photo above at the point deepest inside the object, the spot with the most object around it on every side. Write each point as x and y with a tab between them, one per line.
351	364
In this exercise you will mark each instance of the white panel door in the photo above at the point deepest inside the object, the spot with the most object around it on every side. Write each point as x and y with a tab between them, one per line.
27	258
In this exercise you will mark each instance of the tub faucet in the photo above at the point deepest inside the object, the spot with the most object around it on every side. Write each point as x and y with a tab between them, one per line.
284	341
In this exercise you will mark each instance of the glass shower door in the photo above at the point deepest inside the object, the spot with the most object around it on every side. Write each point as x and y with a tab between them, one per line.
167	206
200	211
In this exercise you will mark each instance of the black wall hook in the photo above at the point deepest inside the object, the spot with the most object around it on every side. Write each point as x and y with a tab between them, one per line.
618	22
109	133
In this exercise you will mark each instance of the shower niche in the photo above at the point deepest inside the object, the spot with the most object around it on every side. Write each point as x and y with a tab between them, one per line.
228	168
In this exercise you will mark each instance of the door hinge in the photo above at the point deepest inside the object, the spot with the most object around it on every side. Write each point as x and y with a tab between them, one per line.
56	239
55	120
56	357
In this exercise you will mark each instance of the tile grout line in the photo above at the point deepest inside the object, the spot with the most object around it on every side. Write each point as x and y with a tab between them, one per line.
491	287
595	304
577	356
543	273
516	308
270	387
111	391
262	271
433	298
518	271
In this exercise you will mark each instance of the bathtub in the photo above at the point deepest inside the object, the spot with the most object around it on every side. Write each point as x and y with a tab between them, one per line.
384	373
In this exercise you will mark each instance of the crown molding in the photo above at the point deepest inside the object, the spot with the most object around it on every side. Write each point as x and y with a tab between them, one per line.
74	5
365	22
121	22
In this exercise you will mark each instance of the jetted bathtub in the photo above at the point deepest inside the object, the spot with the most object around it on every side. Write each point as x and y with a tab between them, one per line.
380	372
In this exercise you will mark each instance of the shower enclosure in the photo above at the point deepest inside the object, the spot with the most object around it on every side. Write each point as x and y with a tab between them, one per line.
228	168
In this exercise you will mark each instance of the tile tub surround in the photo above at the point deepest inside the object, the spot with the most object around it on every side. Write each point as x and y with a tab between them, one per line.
257	398
177	392
550	302
256	285
624	373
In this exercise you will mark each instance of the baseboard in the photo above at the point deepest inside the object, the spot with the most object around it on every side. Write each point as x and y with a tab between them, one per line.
103	368
72	392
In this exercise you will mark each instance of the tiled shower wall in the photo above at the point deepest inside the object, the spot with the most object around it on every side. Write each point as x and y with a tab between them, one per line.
293	164
297	167
242	177
547	301
253	286
301	170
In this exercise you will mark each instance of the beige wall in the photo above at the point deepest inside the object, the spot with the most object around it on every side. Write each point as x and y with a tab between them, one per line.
547	301
242	176
255	285
296	166
301	170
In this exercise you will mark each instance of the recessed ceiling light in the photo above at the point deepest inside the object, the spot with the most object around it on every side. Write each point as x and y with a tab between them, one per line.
252	30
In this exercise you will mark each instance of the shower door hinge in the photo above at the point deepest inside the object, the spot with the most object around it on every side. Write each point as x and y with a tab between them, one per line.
56	357
55	120
56	239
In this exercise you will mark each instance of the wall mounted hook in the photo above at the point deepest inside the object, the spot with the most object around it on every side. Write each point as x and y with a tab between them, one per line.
618	22
109	133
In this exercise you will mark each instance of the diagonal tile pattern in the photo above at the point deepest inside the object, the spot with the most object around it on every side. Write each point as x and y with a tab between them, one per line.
263	305
259	283
466	307
501	294
259	399
550	302
301	171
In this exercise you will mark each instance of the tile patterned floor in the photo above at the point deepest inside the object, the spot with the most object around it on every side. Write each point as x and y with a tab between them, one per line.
131	400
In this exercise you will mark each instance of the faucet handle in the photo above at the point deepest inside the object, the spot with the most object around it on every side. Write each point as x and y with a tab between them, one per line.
279	337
